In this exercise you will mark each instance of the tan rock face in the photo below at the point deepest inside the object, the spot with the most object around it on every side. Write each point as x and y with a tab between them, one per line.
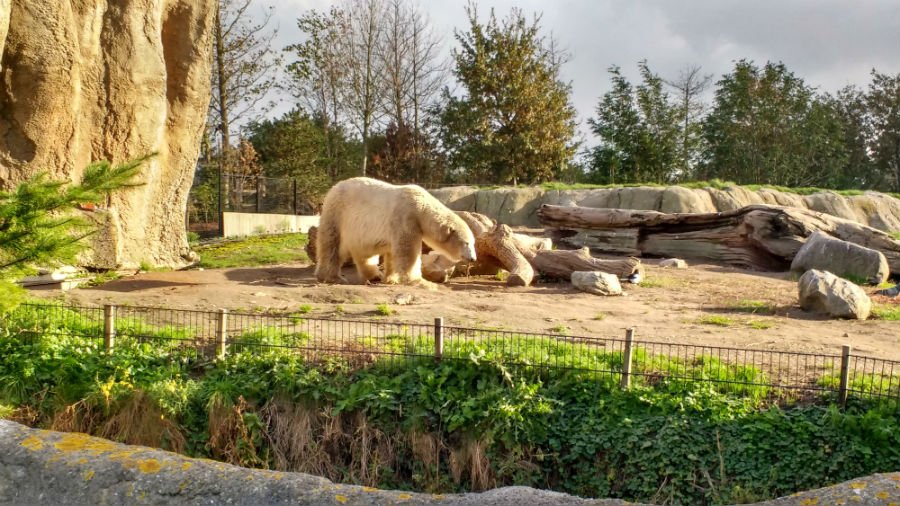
88	80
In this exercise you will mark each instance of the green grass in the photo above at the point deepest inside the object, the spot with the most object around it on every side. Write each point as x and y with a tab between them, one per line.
760	325
560	329
889	312
103	277
895	234
384	310
600	316
254	251
304	309
658	282
718	320
753	306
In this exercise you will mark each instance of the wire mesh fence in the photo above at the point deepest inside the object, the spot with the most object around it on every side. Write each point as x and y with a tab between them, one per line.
627	362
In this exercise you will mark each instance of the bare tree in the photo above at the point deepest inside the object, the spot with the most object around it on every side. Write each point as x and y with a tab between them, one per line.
365	90
318	74
244	68
689	86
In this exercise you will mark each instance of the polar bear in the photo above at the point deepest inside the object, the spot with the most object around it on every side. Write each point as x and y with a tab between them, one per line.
363	218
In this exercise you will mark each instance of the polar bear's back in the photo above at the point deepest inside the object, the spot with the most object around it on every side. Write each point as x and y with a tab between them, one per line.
366	211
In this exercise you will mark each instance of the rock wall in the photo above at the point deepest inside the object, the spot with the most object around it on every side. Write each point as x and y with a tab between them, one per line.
518	206
87	80
45	467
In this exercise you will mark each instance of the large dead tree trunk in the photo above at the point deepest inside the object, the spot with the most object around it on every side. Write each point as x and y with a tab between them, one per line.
499	244
759	236
562	263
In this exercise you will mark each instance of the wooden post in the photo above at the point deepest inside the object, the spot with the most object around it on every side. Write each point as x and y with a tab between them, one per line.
845	375
109	326
438	338
257	194
221	333
626	358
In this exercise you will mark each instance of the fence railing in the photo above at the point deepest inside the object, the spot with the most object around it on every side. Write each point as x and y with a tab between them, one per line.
625	360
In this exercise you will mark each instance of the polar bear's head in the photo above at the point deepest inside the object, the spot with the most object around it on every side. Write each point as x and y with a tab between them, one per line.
453	239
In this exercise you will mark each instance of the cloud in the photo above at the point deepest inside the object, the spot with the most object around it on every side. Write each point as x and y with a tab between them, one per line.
828	43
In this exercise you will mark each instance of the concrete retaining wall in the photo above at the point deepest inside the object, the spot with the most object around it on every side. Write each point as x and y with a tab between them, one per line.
244	224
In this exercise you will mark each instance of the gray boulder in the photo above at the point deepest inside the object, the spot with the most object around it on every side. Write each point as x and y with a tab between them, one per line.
823	292
596	282
673	263
843	258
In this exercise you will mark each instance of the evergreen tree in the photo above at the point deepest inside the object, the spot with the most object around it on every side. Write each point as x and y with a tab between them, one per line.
39	224
768	126
515	122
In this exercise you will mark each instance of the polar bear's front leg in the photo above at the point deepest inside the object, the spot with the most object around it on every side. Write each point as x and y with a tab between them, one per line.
406	259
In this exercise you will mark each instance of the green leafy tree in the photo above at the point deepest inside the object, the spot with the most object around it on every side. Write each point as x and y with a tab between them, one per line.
304	148
883	102
515	122
767	126
639	132
859	170
39	223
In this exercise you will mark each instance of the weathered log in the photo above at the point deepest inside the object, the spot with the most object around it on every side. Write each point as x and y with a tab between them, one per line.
479	223
311	244
759	236
562	263
499	244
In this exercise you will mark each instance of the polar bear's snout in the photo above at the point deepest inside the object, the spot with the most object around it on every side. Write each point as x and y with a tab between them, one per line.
469	253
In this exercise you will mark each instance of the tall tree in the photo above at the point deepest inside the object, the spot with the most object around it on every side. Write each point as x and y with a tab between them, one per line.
767	126
689	87
515	121
244	68
365	93
883	101
859	171
317	78
638	129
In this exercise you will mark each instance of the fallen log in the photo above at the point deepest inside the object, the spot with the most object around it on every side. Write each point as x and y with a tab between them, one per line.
761	237
562	263
499	244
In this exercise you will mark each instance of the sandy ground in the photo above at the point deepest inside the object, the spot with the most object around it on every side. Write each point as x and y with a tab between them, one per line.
670	311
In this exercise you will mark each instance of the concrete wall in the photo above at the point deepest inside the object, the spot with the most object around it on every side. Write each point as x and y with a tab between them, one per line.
243	224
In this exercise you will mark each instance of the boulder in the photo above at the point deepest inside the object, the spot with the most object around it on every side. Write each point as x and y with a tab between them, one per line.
596	282
843	258
673	263
99	80
823	292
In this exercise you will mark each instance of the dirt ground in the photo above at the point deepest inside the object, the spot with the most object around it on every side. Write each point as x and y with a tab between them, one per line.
675	307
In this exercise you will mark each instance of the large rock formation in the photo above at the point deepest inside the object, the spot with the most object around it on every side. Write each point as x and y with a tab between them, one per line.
823	292
842	258
91	79
518	207
44	467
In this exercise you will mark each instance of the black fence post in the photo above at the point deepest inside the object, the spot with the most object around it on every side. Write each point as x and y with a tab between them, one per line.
221	198
257	194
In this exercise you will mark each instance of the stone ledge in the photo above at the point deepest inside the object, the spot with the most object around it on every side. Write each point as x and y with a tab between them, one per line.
46	467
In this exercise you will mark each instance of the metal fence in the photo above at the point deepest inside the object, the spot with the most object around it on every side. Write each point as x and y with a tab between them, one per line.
624	360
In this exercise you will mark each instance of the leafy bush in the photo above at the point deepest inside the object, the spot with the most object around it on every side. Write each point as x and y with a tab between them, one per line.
484	416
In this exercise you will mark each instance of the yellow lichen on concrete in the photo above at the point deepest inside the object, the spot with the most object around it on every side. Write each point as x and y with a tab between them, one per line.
404	497
882	495
858	485
809	501
88	475
149	466
32	443
80	442
185	466
341	498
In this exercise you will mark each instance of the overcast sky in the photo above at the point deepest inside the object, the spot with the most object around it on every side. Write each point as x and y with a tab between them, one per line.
828	43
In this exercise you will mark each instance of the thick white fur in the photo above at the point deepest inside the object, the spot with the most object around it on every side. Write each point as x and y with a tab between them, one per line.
364	218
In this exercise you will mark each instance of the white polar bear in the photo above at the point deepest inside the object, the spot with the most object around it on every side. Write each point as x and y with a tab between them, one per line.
364	218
